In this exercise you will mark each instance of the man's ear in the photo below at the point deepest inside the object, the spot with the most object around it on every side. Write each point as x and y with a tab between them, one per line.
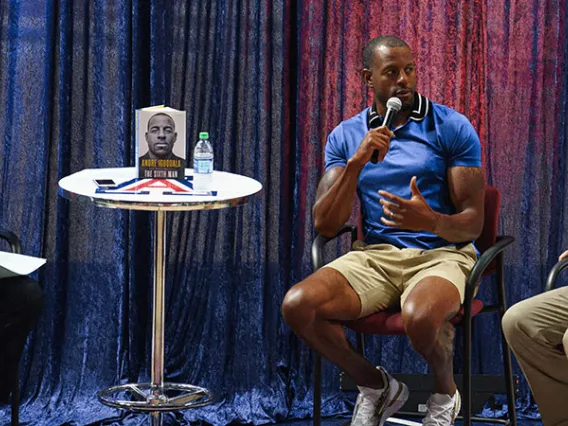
146	136
175	137
367	77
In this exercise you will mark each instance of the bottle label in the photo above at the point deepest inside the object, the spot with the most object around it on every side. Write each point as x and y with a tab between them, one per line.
203	165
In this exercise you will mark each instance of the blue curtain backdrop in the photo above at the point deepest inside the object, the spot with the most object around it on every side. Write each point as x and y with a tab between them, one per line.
268	80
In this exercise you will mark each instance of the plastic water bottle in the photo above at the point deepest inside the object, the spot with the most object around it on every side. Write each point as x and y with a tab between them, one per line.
203	163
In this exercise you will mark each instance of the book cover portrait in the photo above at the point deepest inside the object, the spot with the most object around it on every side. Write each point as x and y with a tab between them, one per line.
160	143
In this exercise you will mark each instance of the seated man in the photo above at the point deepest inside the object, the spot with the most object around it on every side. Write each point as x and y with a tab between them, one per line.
21	301
537	331
422	207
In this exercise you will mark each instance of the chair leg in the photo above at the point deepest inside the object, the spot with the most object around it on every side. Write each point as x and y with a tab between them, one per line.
507	364
360	344
508	367
317	389
15	399
466	385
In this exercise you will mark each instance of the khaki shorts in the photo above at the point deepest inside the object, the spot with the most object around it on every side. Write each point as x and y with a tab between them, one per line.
383	276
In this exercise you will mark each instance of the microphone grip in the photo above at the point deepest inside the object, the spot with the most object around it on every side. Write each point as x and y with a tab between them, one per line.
375	156
389	115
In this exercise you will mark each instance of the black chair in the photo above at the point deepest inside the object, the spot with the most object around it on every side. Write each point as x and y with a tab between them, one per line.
554	273
16	247
490	261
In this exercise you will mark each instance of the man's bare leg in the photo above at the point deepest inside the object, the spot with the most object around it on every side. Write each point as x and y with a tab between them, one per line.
426	314
314	308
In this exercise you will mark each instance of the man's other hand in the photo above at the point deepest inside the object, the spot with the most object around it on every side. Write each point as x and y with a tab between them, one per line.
414	214
563	255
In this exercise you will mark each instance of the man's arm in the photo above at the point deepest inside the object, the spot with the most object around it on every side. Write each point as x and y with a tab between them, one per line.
334	199
338	186
467	191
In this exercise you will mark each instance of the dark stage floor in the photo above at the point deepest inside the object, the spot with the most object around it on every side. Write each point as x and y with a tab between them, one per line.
325	422
338	422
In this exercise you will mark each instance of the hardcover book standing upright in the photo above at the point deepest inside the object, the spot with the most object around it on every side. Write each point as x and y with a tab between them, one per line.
160	143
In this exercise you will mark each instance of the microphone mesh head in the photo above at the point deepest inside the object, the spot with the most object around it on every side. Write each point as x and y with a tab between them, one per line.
394	103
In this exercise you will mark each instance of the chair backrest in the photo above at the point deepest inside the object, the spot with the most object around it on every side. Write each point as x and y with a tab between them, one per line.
12	239
492	206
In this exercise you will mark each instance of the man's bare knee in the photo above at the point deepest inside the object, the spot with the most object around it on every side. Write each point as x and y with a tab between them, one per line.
422	318
324	295
297	310
421	329
417	321
427	311
302	302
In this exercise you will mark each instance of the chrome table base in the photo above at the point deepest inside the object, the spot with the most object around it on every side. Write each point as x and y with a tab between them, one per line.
150	398
157	396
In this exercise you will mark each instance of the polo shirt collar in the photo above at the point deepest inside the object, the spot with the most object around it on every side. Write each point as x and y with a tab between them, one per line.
419	112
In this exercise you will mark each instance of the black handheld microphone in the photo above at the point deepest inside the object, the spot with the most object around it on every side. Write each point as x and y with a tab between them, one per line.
393	106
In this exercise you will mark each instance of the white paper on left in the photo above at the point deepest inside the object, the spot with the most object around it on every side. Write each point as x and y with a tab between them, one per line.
12	265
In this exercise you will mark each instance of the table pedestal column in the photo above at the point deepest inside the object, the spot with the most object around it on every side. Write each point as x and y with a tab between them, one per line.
156	396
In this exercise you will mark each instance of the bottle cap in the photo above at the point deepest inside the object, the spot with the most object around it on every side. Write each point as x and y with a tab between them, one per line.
203	135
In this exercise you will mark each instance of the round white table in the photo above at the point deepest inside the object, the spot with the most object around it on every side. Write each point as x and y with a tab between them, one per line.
160	196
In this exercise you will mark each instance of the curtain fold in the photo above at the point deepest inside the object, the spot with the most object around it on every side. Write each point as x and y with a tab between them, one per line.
268	80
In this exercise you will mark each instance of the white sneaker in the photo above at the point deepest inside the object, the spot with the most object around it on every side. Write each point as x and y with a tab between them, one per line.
442	409
374	406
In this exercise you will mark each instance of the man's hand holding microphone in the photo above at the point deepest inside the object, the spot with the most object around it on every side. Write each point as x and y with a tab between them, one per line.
376	143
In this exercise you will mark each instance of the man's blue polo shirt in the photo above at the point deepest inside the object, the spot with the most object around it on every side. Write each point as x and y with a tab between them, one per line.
433	139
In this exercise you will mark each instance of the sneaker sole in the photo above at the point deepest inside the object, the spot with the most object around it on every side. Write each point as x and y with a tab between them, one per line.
396	404
457	407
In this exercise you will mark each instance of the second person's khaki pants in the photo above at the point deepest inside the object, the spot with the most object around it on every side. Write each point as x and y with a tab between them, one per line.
536	329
